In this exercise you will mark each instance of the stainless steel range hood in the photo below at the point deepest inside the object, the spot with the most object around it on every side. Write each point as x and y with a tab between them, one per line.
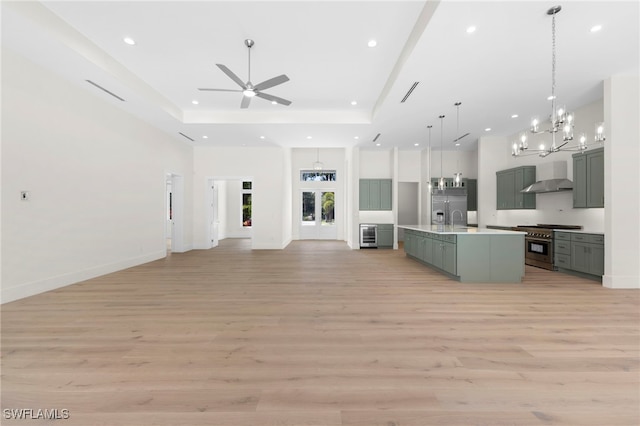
553	179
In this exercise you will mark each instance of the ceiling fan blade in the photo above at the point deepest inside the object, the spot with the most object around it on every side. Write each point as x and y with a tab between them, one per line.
220	90
231	75
246	100
271	82
273	98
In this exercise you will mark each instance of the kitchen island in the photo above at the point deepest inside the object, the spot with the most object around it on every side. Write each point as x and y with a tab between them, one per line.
467	254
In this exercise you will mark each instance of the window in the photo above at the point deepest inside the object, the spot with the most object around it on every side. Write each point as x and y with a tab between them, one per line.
246	204
318	176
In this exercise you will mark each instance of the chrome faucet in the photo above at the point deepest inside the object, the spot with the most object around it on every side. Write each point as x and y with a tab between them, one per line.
461	216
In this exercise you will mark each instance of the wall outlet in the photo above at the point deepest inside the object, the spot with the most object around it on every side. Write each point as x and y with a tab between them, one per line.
24	195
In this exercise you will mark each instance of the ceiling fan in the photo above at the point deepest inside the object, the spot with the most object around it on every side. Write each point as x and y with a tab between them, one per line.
249	90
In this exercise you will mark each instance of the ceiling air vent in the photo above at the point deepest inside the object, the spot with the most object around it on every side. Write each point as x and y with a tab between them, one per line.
105	90
376	138
409	92
457	139
186	136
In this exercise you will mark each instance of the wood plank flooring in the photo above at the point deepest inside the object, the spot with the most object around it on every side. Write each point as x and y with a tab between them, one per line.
318	334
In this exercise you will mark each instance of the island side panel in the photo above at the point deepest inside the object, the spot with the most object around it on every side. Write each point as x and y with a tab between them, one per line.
491	258
507	258
474	258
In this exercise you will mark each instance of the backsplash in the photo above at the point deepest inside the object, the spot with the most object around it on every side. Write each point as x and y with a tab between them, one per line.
553	208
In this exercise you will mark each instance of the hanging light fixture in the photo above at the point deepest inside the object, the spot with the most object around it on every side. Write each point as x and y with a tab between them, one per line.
441	180
429	171
457	176
317	165
560	120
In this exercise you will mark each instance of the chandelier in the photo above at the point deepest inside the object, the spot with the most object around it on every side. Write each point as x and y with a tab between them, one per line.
560	120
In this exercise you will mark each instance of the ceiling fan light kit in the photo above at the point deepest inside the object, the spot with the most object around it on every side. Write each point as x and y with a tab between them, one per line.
248	90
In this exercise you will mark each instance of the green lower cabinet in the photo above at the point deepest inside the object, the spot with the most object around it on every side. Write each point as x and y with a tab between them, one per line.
579	253
449	257
428	249
385	235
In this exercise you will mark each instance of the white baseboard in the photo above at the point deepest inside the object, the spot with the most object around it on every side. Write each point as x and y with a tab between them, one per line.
36	287
621	281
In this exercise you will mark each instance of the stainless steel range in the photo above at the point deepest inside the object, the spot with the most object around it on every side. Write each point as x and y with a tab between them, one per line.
538	243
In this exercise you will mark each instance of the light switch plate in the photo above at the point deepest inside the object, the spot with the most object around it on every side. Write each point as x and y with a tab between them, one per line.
24	195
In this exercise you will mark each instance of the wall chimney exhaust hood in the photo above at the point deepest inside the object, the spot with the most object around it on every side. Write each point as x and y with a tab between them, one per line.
554	179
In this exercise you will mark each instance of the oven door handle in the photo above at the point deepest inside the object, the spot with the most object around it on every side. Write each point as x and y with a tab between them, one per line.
540	240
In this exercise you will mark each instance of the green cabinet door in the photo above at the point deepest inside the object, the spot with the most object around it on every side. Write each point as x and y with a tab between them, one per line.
374	194
579	181
364	194
595	179
528	178
588	179
385	194
506	190
428	249
580	258
596	259
449	257
385	235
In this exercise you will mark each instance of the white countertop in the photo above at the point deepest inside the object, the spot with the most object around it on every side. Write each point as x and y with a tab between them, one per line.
459	230
579	231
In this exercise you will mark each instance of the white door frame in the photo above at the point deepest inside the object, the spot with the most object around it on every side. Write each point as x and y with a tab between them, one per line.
177	210
213	222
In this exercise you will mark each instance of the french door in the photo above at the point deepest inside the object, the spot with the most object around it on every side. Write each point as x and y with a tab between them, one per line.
317	215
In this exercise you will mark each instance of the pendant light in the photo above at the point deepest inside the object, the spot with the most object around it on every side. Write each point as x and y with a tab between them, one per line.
429	151
317	165
441	180
457	176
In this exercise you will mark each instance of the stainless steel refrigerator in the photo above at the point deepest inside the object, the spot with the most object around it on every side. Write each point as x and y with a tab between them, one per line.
449	206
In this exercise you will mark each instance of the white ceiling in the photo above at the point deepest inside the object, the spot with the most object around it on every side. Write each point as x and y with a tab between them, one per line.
503	68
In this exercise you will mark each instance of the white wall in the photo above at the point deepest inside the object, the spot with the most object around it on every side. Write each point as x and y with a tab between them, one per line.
622	182
96	177
465	162
266	167
409	166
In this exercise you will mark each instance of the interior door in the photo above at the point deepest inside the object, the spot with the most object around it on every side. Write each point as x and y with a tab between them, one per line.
214	223
317	215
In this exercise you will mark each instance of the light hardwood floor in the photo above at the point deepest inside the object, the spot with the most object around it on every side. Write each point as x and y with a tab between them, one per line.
318	334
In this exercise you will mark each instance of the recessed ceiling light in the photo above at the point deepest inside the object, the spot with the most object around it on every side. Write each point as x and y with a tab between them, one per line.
416	144
356	137
261	137
471	29
596	28
514	116
274	103
551	97
488	129
372	43
457	144
195	102
354	103
308	137
129	41
378	144
205	137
